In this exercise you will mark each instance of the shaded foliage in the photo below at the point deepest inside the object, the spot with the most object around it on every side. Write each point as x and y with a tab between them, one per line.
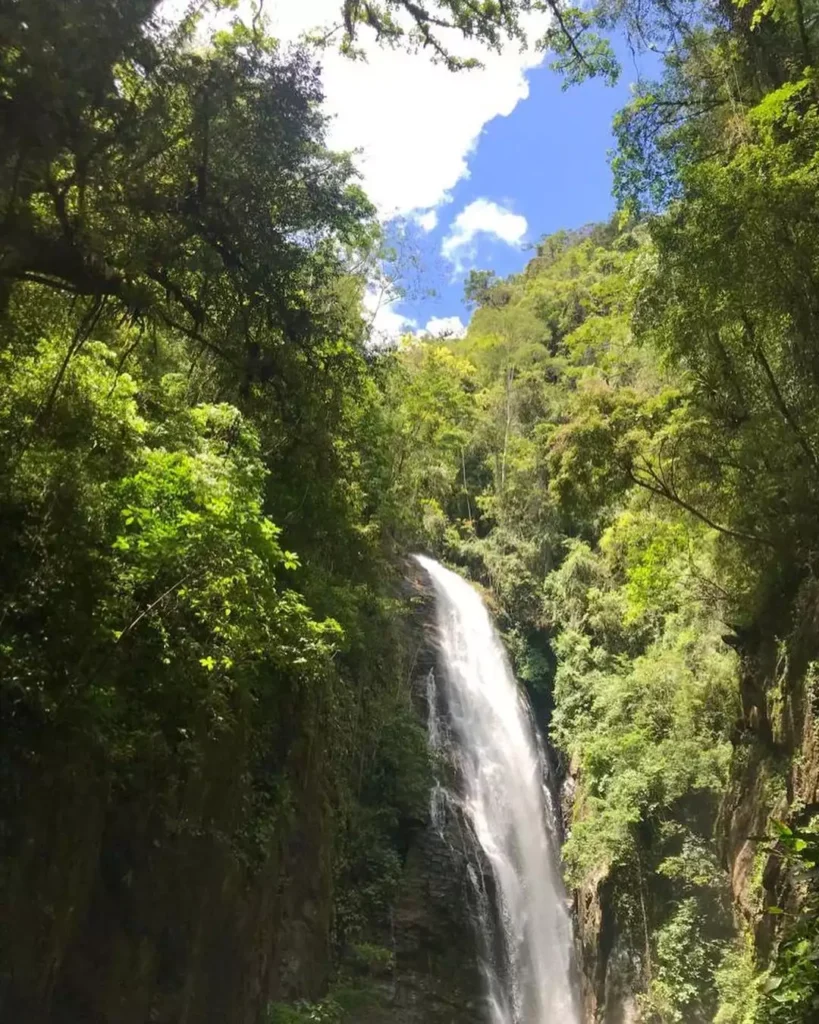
202	658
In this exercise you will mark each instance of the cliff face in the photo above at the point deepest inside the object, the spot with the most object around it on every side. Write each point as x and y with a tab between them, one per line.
774	775
436	946
609	962
438	979
115	916
122	908
776	768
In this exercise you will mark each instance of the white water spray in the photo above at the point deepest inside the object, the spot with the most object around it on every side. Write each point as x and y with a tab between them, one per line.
507	803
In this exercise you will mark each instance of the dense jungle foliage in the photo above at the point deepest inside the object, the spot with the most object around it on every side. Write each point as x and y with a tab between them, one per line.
209	479
203	660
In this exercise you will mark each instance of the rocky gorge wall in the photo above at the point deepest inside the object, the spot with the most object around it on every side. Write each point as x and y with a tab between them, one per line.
143	907
774	777
776	767
135	922
115	917
437	976
436	947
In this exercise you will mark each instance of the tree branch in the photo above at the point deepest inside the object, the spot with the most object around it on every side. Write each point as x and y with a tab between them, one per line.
661	489
779	400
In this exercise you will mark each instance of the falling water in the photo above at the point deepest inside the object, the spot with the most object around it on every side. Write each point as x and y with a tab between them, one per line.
506	802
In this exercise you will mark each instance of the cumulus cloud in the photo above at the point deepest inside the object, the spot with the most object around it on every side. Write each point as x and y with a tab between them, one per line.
413	122
481	217
428	220
386	323
444	327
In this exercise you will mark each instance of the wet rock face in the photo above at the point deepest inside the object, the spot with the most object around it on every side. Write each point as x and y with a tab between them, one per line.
435	937
609	964
777	762
117	919
438	978
159	929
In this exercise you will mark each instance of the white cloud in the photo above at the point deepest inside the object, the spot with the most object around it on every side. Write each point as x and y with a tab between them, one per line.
386	323
415	122
481	217
444	327
428	220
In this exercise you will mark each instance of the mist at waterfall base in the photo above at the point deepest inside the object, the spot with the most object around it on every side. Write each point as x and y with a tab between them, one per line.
481	720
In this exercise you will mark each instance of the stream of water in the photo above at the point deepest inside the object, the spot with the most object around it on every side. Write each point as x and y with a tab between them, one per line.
481	719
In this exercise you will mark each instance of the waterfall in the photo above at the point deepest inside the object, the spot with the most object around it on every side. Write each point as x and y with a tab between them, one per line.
484	722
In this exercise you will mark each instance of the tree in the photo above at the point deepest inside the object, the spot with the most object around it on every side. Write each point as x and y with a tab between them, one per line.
145	179
197	642
576	36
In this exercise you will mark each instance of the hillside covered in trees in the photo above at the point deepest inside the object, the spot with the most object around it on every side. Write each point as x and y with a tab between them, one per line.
214	766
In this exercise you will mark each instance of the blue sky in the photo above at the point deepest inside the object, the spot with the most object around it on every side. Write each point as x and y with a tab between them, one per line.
477	164
546	161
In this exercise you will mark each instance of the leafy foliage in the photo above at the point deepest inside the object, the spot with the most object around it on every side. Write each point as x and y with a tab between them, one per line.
206	476
594	470
791	988
201	655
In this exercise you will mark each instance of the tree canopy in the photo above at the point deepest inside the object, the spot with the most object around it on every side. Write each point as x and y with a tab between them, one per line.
210	479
